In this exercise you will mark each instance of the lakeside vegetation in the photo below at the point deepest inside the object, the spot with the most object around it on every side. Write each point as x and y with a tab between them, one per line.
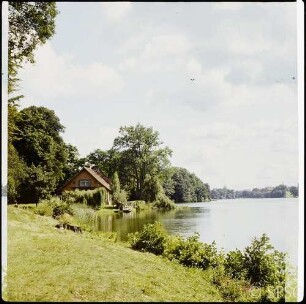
169	268
47	264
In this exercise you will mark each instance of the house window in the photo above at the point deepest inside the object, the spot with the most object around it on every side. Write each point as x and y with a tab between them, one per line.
84	183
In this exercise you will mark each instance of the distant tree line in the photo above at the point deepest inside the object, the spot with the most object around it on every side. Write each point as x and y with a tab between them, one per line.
267	192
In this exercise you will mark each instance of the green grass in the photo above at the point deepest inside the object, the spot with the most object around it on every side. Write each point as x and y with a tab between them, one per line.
46	264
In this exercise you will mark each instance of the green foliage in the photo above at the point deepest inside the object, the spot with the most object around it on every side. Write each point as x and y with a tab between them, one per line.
264	266
162	201
41	149
94	198
139	205
267	192
53	207
234	264
257	274
30	25
119	196
183	186
138	154
261	265
151	238
192	252
83	215
73	163
16	174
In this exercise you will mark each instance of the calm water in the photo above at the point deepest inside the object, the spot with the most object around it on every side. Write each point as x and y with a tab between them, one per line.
231	223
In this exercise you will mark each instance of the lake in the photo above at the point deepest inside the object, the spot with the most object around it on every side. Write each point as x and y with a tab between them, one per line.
231	223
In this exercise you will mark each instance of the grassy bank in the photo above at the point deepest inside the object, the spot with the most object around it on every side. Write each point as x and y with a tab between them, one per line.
46	264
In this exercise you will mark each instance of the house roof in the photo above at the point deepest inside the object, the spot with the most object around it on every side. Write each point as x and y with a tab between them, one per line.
94	174
98	177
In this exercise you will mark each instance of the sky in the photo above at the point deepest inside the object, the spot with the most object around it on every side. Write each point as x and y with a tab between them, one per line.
117	64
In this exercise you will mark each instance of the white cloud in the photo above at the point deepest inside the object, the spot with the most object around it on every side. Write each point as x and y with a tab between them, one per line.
116	11
161	52
57	76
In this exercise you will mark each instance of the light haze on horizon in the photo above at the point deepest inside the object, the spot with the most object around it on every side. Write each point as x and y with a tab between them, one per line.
117	64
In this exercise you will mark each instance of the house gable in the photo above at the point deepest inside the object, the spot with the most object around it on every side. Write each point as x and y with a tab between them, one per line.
85	179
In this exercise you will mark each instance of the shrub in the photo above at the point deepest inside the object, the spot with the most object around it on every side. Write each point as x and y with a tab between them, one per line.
61	208
138	205
162	201
44	208
234	264
151	238
192	252
53	207
263	265
94	198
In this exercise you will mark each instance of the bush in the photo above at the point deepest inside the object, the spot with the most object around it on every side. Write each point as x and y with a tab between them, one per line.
94	198
264	266
61	208
53	207
260	264
162	201
234	264
151	238
44	208
138	205
192	252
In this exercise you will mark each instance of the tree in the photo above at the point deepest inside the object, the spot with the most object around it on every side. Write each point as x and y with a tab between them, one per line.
119	195
102	160
43	151
30	24
294	191
139	153
73	163
188	187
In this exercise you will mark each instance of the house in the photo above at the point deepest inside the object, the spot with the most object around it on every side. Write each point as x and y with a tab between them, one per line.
87	179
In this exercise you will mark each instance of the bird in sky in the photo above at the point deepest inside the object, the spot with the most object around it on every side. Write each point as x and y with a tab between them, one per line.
192	79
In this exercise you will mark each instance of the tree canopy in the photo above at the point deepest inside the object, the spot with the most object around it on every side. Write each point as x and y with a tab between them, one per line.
184	186
30	24
139	156
42	151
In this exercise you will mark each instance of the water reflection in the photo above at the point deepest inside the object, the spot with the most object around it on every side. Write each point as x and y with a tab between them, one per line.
231	223
179	221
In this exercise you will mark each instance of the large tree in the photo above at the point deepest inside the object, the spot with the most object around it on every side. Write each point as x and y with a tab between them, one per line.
30	24
41	147
139	158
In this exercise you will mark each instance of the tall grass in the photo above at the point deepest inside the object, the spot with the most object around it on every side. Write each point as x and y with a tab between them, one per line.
83	215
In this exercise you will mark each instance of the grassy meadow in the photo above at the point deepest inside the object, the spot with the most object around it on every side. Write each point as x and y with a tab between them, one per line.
48	264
